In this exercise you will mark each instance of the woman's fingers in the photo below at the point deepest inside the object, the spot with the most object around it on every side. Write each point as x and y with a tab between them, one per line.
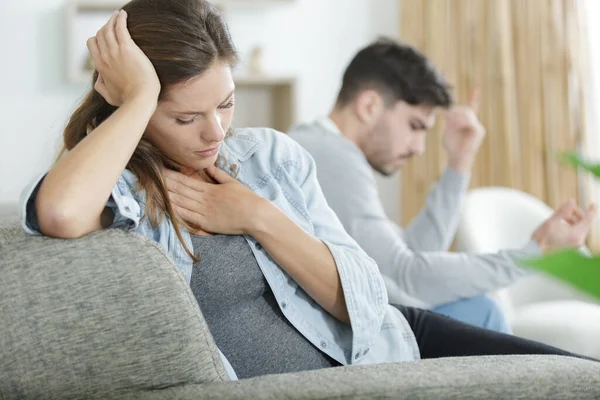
184	202
219	175
128	72
101	88
106	41
188	216
108	31
121	31
92	45
185	185
102	46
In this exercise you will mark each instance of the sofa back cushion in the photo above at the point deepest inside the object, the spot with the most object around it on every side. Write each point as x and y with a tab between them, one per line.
95	317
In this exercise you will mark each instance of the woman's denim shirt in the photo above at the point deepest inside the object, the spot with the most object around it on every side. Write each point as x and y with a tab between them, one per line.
278	169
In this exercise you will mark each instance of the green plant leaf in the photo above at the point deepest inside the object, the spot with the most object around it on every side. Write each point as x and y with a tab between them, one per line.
578	161
572	267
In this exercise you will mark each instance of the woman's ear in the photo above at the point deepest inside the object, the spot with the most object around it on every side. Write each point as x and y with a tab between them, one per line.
369	106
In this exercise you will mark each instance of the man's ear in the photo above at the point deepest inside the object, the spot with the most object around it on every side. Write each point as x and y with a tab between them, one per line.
369	106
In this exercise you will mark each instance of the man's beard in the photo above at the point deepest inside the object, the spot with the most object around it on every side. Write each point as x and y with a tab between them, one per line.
381	169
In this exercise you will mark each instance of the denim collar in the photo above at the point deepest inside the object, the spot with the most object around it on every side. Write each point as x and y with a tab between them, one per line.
236	148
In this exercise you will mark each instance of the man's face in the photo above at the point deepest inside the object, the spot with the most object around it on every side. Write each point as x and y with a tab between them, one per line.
397	135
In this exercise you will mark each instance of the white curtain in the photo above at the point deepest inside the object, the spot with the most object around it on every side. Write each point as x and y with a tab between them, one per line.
590	145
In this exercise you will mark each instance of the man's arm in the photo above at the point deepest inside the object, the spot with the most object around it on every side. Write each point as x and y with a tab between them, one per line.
434	228
435	278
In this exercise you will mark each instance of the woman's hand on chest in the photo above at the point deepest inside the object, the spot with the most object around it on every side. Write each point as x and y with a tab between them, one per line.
225	207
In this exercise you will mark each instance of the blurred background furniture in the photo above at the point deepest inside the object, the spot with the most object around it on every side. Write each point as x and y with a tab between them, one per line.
262	97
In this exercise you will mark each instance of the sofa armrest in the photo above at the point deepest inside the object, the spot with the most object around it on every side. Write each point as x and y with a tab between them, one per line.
95	317
491	377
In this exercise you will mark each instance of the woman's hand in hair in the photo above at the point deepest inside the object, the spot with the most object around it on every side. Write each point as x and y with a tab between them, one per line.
225	207
125	73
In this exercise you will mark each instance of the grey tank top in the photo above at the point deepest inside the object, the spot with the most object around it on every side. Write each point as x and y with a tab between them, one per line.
242	313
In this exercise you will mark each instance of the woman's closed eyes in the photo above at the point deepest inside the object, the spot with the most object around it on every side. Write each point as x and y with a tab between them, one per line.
180	121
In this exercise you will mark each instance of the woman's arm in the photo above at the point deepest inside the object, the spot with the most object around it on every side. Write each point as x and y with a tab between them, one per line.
304	257
72	197
364	291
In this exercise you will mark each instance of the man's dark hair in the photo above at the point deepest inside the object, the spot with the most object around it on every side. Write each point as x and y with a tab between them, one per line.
398	72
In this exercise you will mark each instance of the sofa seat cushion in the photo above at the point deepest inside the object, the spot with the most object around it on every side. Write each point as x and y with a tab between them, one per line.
460	378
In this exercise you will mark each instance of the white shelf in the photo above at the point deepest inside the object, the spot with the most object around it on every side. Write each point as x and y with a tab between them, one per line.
85	17
97	11
98	5
263	80
111	5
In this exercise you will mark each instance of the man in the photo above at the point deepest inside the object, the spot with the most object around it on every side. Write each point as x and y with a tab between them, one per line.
385	107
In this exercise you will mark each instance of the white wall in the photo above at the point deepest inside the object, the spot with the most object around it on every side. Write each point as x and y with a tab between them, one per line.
312	39
34	100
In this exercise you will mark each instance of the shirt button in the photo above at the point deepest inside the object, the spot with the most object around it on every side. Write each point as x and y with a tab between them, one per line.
323	344
258	246
283	304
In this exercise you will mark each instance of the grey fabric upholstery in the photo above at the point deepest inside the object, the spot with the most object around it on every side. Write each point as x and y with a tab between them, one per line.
9	214
465	378
109	316
96	316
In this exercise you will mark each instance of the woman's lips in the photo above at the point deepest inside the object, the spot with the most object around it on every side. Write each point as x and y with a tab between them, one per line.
209	152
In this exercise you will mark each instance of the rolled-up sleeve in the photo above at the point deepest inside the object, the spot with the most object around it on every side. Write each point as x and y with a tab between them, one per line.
123	202
125	205
27	212
362	284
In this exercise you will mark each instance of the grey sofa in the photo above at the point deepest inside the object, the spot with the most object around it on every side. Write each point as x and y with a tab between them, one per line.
109	316
8	214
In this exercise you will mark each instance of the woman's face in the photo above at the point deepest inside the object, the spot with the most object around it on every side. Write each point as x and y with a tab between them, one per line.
190	123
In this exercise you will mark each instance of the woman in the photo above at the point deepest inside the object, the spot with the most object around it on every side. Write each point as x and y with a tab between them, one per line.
282	286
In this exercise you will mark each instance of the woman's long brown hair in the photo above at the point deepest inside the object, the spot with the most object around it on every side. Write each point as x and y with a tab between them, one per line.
182	39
